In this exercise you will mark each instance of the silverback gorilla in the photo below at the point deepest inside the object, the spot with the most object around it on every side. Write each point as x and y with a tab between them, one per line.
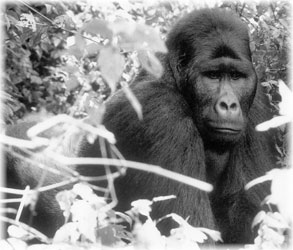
198	120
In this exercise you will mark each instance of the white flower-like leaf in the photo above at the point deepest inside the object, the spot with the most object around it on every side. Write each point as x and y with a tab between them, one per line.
285	110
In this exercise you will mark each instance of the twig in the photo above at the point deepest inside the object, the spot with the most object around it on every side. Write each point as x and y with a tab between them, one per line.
5	201
51	122
15	142
257	181
12	191
99	178
59	184
27	228
41	189
40	165
134	165
22	203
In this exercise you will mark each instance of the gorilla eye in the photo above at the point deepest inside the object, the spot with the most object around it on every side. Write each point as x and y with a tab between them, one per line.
213	74
236	75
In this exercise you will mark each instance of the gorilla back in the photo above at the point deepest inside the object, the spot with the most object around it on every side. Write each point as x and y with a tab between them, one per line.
198	120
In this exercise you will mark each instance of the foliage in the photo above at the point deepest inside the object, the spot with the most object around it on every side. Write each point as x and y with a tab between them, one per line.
94	224
274	228
68	58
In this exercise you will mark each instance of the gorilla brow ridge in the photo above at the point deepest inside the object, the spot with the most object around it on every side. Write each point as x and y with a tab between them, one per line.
224	64
224	51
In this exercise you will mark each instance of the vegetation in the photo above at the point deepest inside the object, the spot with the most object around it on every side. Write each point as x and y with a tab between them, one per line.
67	58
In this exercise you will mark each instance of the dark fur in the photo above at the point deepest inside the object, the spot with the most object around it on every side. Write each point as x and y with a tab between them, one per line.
168	134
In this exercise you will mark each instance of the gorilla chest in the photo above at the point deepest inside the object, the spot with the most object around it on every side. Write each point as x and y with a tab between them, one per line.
216	163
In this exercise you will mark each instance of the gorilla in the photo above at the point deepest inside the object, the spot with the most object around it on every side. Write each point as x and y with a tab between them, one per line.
199	120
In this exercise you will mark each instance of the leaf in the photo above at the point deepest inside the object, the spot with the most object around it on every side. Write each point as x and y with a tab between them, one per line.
151	63
65	199
133	101
142	206
28	21
273	123
92	49
87	194
285	110
75	51
111	64
258	218
13	243
107	235
135	36
287	99
190	233
149	37
63	21
17	232
76	45
79	41
281	189
85	216
147	236
67	233
97	26
72	83
215	235
36	79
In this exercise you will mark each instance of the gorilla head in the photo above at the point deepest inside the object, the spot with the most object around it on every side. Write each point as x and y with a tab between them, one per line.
211	62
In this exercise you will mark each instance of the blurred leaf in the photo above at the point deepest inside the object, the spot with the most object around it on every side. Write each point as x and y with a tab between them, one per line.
142	206
72	83
151	63
133	101
97	26
108	235
76	51
28	21
63	21
79	40
148	236
287	99
135	36
92	49
111	64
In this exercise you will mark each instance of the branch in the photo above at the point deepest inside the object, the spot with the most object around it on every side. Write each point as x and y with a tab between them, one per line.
134	165
35	233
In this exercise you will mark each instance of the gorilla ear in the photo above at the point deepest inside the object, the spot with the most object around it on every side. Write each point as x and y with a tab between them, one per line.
179	55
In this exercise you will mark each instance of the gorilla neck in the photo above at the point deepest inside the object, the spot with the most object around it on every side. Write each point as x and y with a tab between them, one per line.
216	162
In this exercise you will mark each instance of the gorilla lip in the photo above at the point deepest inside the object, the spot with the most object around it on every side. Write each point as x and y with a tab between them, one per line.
227	130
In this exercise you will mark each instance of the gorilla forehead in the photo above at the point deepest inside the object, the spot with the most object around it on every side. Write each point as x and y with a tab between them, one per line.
204	23
210	32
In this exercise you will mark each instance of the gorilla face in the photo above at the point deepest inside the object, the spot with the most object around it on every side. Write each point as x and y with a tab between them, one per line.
222	95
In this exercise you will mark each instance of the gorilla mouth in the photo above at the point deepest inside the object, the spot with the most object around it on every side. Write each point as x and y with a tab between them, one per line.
227	130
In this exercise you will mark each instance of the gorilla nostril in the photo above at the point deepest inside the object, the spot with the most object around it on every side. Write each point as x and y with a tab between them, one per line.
233	106
224	106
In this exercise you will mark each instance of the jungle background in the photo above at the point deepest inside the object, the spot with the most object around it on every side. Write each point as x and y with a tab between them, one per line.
69	57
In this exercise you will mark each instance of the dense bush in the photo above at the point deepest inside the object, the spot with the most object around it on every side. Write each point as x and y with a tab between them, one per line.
65	57
57	54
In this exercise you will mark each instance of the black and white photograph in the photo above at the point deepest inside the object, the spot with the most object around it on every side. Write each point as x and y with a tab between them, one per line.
145	125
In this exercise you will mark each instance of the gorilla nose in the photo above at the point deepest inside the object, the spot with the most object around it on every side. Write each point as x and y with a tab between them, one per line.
228	107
